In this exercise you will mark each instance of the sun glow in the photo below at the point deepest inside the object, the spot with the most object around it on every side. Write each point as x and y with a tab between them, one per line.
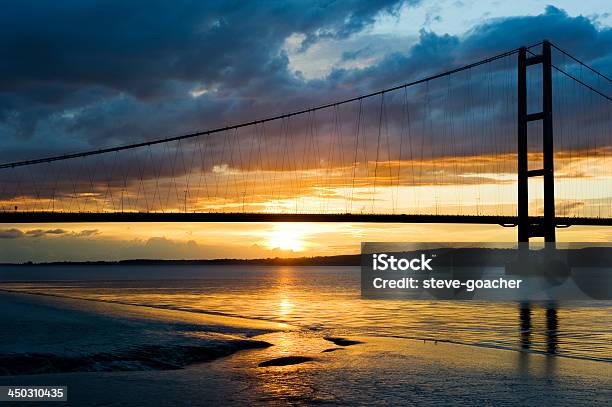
287	236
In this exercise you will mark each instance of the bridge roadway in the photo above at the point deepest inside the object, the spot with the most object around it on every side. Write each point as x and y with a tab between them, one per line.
93	217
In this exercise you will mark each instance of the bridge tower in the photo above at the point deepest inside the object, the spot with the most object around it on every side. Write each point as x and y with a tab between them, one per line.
546	227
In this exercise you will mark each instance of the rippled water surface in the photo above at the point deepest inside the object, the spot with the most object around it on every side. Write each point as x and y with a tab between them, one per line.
328	299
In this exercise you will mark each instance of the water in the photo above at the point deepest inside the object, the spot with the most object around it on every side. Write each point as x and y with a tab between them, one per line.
327	300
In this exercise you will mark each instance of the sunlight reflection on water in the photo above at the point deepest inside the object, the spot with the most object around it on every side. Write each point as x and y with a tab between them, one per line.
328	299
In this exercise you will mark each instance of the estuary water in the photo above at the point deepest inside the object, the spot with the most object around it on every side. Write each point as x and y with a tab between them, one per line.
327	300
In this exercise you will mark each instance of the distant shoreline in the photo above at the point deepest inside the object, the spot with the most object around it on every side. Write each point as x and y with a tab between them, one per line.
339	260
582	257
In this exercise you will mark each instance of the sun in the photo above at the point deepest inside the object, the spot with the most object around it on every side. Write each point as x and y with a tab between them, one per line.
287	236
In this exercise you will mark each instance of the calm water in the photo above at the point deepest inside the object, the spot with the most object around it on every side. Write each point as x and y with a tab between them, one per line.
327	299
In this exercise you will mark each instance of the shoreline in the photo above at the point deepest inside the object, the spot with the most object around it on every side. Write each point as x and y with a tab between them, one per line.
38	336
335	260
300	367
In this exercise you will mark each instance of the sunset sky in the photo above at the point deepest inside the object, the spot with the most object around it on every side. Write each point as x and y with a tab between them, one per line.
81	75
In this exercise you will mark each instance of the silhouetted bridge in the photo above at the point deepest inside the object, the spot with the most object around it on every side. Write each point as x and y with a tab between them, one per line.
87	217
454	147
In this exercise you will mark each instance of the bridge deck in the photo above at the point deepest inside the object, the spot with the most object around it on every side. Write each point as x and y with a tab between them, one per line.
91	217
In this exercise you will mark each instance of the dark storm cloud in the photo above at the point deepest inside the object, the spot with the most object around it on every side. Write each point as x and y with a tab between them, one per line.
436	53
432	53
138	46
362	14
578	35
114	64
83	75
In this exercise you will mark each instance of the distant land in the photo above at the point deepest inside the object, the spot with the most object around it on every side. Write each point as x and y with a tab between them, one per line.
476	256
339	260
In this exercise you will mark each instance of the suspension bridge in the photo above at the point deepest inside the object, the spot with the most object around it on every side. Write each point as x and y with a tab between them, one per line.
522	138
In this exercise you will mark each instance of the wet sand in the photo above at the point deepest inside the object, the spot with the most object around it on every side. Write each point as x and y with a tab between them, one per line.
375	371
